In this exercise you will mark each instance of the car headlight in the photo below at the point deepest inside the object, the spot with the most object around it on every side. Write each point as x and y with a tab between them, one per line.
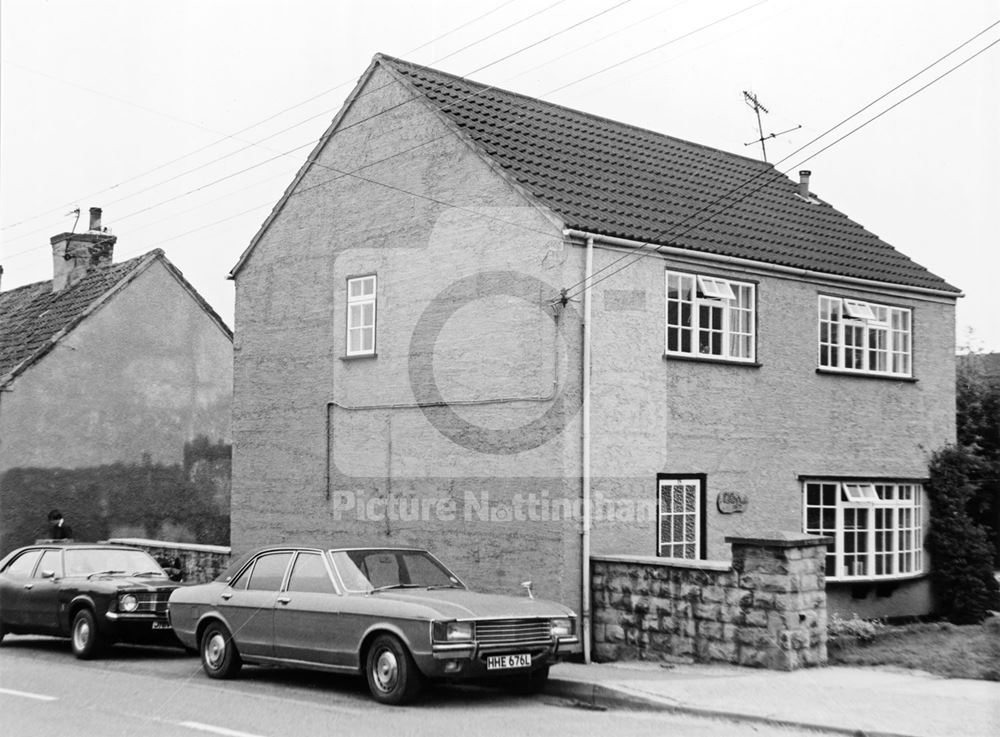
128	603
562	627
452	631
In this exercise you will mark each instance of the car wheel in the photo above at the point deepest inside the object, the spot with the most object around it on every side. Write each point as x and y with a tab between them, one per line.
85	638
393	677
531	683
219	656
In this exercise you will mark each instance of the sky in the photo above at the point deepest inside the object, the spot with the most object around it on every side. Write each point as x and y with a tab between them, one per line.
185	120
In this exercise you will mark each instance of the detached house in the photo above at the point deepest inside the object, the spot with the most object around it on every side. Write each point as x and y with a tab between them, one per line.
115	399
522	335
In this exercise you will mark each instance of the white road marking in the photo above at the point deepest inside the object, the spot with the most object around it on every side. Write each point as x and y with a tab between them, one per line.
216	730
27	695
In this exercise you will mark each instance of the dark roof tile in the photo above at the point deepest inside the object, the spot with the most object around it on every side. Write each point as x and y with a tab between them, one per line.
614	179
31	316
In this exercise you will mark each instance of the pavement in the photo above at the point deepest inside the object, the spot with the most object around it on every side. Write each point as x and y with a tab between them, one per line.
834	699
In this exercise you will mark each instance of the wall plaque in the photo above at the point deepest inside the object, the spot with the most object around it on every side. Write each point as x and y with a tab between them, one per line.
730	502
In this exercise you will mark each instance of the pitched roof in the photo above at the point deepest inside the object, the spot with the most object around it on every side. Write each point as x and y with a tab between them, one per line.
611	178
33	318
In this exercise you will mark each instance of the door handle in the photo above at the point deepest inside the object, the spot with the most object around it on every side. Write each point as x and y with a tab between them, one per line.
29	586
283	599
226	596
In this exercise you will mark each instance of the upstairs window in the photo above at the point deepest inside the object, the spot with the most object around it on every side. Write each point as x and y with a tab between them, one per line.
865	337
361	316
877	528
708	317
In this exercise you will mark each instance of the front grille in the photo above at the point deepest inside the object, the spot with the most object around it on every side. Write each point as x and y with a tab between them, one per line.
513	632
153	601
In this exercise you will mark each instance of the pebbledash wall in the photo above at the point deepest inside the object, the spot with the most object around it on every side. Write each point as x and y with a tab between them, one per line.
765	609
331	449
759	430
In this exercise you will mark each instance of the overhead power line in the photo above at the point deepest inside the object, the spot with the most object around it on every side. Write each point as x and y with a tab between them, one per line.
381	112
641	249
235	136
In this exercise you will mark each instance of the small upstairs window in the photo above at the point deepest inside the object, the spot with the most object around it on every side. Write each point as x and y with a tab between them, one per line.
709	317
361	316
865	337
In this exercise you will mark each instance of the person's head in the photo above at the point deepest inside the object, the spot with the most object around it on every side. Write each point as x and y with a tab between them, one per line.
55	517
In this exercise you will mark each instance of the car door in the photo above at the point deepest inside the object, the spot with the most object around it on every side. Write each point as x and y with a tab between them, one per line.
306	615
248	603
41	600
15	582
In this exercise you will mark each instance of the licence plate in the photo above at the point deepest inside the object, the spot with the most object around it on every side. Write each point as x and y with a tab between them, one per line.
504	662
161	626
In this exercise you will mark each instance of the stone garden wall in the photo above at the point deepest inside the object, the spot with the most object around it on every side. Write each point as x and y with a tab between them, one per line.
196	563
766	609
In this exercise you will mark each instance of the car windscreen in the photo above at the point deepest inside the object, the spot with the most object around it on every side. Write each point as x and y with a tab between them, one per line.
369	570
88	561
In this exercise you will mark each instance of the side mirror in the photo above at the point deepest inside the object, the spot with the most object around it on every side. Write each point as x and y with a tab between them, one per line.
48	574
527	585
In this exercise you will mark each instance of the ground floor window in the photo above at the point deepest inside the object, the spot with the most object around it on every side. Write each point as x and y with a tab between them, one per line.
876	527
680	513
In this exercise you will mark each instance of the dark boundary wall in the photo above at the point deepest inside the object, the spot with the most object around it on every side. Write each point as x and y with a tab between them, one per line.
196	563
765	609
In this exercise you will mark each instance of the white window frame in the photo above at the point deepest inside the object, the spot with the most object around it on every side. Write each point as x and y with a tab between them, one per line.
671	519
710	318
877	527
361	293
864	337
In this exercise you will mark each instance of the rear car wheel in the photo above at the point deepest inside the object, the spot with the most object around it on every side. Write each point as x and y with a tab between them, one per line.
393	677
219	656
85	638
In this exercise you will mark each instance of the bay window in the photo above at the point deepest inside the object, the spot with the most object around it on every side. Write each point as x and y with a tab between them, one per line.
876	527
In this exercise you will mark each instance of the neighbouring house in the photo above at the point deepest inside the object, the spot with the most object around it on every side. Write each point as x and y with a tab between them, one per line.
522	335
115	400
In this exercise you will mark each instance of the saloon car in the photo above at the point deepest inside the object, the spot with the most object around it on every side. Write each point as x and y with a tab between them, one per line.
92	593
397	616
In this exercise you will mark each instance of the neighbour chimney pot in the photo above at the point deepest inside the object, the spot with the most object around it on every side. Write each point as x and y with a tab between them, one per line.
95	218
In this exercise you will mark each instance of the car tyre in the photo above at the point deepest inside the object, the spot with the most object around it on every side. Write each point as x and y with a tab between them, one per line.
84	637
533	683
219	656
393	677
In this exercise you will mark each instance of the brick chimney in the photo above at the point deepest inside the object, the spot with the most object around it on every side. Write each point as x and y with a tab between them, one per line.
74	255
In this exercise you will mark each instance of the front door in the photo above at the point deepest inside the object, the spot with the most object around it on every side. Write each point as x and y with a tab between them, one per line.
307	624
41	601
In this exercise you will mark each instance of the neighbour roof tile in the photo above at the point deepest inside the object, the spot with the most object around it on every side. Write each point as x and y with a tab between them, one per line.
614	179
31	316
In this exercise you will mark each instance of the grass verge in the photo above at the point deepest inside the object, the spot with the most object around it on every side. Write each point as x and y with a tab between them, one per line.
941	648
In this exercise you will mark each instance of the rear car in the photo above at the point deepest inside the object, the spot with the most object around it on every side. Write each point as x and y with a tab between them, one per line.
94	594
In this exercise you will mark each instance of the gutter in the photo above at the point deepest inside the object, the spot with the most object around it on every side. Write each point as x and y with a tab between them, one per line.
736	261
585	531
